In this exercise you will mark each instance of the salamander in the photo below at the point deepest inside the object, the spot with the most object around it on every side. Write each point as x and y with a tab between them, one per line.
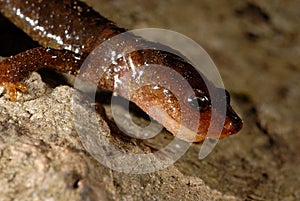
69	30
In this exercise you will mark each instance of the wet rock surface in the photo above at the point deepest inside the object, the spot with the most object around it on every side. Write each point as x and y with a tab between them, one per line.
256	46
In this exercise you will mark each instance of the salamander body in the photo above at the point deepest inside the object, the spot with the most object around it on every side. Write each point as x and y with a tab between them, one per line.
69	30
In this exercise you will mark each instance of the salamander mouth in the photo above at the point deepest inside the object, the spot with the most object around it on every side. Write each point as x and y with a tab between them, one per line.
233	123
218	128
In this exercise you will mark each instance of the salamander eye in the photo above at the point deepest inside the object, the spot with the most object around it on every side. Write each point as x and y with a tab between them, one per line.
199	102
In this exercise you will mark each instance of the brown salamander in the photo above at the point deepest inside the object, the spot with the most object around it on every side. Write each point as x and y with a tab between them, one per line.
68	30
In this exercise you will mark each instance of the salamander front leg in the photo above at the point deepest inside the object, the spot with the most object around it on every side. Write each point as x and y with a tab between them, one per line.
12	88
14	69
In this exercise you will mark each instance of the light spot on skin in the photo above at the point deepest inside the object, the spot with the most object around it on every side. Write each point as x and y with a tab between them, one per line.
19	13
57	38
31	21
156	87
40	28
116	81
132	66
68	47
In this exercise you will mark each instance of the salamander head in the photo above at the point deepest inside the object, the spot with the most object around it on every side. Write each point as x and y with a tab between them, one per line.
183	100
201	103
193	118
191	115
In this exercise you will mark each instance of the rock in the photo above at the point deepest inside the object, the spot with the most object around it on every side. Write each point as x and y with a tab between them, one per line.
42	156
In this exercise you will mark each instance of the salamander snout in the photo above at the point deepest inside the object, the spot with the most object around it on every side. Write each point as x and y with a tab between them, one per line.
233	122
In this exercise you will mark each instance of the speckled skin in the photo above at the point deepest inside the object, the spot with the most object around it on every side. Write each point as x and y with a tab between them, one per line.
68	31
